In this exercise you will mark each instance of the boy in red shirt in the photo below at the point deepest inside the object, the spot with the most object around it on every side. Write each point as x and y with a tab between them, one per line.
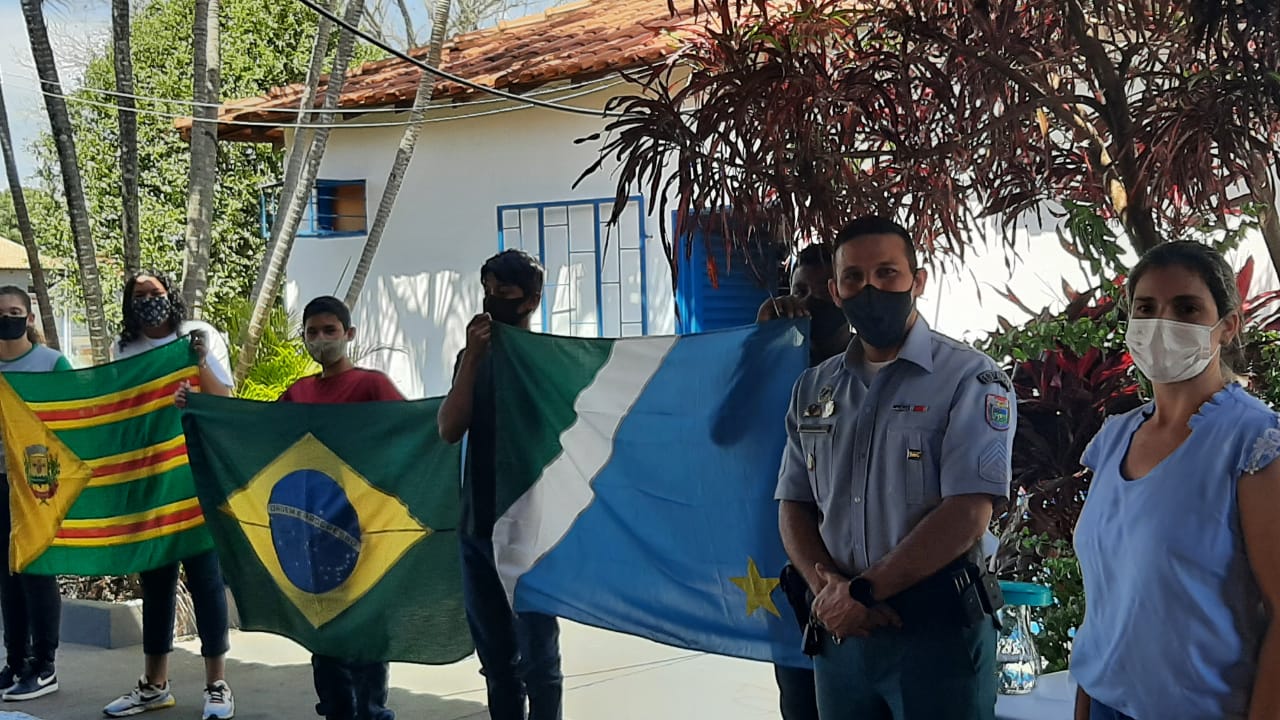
347	690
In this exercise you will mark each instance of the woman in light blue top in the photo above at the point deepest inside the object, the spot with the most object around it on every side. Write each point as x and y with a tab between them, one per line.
1178	539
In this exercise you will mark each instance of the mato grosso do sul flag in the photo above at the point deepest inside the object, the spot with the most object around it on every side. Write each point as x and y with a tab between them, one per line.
336	525
636	481
98	477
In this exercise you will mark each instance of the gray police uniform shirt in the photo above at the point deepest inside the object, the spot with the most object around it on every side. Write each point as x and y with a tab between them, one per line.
937	422
41	358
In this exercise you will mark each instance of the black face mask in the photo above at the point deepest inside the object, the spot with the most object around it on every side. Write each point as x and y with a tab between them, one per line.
153	311
504	310
827	323
879	317
12	327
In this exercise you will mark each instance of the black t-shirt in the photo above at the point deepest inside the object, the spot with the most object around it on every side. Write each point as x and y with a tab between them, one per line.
479	478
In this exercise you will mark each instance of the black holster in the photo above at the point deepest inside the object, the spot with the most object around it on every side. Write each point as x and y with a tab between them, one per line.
961	594
800	598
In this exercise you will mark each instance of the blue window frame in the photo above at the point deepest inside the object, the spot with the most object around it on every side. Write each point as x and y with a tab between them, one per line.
336	208
596	282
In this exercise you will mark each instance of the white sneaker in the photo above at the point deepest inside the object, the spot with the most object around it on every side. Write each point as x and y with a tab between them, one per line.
218	701
142	698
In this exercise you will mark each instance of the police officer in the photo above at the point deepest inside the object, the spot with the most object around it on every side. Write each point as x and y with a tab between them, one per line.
896	452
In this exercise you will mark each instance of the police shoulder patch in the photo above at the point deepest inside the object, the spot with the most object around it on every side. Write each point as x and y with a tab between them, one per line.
998	414
995	377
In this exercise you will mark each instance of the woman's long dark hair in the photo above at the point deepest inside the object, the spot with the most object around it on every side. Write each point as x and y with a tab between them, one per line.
131	327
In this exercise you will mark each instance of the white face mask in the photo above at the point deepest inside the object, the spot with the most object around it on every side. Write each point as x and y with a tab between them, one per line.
1168	351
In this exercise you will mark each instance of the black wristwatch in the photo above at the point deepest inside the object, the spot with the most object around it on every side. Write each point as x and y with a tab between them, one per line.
860	589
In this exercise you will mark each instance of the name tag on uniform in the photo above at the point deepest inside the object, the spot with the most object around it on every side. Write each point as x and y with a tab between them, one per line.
914	454
815	428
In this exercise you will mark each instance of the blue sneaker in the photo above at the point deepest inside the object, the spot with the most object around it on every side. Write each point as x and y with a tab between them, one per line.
32	685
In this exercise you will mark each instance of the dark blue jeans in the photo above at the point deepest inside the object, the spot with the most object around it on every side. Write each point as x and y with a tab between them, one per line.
350	690
208	595
519	652
797	696
1098	711
917	673
31	606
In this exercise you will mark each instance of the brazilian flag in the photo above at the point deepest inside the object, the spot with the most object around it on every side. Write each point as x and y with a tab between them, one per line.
336	525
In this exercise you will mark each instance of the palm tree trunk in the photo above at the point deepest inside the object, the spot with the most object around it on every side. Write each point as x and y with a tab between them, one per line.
206	89
291	214
404	154
302	137
121	38
64	140
407	17
25	229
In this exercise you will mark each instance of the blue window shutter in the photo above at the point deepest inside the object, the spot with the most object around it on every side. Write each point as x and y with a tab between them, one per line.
733	303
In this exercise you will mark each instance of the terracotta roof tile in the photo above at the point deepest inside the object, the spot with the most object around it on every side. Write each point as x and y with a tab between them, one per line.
573	41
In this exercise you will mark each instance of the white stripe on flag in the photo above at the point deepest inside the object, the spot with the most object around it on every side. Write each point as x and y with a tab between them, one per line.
540	518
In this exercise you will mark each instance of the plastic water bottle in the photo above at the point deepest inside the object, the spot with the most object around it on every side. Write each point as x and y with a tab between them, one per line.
1017	661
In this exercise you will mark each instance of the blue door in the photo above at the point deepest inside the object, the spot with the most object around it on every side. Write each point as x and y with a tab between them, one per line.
737	298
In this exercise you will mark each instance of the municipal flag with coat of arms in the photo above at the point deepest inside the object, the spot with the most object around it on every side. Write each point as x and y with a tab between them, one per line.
636	481
99	482
335	524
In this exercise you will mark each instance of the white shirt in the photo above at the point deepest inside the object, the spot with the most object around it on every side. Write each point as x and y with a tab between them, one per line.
219	357
871	369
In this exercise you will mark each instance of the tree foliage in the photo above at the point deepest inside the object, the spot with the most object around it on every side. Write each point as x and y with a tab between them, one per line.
264	45
799	114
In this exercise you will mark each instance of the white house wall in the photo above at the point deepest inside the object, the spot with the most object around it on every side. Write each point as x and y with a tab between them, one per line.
424	286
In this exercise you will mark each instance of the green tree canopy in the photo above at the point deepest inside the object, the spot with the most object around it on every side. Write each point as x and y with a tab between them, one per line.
264	45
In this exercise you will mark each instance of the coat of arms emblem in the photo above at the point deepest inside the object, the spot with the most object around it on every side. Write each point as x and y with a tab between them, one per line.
42	472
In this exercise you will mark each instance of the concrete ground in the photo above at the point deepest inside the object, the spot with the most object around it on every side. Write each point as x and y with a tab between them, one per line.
608	677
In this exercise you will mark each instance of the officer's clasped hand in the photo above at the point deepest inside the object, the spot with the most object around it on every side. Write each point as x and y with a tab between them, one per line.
843	616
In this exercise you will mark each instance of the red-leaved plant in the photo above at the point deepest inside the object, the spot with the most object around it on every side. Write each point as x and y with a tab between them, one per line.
796	115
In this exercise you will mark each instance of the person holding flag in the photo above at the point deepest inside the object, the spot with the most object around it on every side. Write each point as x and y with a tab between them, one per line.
31	604
347	690
153	318
519	651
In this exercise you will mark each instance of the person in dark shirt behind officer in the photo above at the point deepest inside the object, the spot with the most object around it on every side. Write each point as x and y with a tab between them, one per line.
828	336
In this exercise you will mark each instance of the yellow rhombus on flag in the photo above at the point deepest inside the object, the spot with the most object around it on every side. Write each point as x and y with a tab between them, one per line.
45	478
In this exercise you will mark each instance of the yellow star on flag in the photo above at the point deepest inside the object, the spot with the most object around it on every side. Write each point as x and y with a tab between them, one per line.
758	589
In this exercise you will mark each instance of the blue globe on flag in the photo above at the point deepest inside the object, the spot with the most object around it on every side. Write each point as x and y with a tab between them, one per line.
315	530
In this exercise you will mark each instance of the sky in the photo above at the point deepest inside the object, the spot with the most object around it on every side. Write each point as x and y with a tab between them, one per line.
71	24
